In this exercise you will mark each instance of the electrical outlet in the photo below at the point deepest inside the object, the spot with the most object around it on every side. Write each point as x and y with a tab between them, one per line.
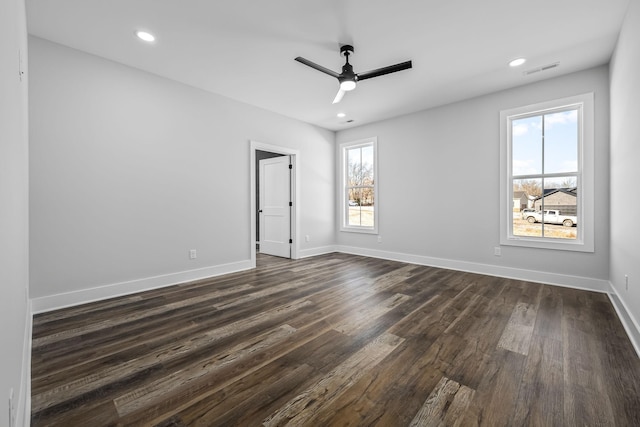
497	251
626	282
12	410
307	238
193	254
379	239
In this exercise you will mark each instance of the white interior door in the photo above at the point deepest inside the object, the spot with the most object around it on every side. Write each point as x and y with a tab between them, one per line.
274	209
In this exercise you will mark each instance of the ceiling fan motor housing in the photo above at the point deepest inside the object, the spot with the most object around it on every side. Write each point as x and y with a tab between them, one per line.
347	69
346	50
347	73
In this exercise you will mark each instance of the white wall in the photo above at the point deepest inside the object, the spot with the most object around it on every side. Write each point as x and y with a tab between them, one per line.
14	213
129	171
439	187
625	155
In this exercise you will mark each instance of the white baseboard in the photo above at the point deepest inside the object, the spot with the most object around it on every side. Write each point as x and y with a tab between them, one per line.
322	250
23	410
630	323
577	282
83	296
54	302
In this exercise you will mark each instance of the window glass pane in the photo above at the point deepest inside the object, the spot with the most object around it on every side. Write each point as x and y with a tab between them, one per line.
560	207
527	146
526	221
360	166
354	167
360	207
354	198
367	165
561	142
359	186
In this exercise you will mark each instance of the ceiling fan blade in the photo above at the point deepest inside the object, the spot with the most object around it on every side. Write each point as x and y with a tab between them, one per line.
384	70
339	96
317	67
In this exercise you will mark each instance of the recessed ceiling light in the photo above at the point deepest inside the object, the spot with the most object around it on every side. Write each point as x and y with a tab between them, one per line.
341	115
143	35
517	62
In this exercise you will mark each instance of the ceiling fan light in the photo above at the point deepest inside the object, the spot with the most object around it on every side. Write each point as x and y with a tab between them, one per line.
347	85
146	36
517	62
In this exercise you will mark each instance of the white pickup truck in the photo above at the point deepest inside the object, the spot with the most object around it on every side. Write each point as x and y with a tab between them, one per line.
552	217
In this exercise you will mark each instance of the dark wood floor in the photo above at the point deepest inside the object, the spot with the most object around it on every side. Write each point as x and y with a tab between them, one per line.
338	340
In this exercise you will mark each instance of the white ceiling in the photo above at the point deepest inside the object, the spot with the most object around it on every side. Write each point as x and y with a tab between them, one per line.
245	49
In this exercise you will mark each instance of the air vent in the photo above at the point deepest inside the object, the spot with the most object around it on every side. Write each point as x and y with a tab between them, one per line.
543	68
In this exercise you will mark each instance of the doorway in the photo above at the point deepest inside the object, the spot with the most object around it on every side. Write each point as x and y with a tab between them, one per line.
273	231
274	202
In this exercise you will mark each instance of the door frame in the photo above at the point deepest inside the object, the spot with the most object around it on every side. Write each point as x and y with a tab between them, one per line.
295	193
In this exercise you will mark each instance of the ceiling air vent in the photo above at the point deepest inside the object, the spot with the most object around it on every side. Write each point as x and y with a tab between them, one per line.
543	68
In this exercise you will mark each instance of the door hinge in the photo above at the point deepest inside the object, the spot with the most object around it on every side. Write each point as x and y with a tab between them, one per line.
290	240
290	166
290	203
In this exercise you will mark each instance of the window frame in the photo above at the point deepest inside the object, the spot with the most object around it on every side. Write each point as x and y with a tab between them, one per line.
344	191
584	241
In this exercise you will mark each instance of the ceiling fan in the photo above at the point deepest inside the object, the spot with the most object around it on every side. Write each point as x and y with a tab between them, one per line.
348	78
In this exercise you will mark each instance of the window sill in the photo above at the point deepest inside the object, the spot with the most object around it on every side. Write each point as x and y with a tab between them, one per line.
361	230
542	243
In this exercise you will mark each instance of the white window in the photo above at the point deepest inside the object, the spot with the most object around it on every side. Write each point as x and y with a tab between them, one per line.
359	186
547	175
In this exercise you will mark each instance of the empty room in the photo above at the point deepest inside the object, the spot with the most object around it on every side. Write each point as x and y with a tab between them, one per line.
343	212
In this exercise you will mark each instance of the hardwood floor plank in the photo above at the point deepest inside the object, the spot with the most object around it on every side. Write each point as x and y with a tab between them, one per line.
621	367
132	317
583	384
202	392
337	339
96	380
108	347
306	334
519	330
495	399
390	394
367	314
244	407
302	408
549	319
156	390
444	406
541	397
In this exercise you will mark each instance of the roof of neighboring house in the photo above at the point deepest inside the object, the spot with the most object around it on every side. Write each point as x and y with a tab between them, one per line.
573	191
519	194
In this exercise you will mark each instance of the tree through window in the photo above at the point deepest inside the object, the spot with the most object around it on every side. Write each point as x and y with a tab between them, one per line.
359	181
